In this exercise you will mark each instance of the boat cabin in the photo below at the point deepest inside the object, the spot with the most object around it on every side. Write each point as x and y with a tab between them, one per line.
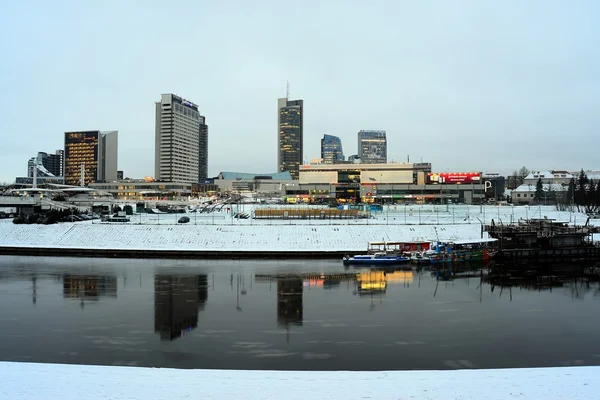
398	247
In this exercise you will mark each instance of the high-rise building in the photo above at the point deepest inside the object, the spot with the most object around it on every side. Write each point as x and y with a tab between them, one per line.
181	141
331	150
372	147
47	164
109	151
93	151
289	135
203	151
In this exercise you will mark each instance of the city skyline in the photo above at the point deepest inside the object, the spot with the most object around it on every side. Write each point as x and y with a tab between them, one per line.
515	94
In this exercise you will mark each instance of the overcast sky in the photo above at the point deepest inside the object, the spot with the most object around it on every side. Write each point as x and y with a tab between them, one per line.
465	85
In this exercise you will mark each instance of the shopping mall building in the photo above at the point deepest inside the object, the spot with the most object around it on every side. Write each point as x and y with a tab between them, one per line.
385	183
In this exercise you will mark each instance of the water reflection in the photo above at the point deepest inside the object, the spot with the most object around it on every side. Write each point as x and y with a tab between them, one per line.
314	315
177	302
289	302
89	288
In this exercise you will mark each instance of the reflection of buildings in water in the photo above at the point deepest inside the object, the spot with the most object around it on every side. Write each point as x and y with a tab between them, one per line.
371	282
177	301
88	287
404	277
289	302
576	287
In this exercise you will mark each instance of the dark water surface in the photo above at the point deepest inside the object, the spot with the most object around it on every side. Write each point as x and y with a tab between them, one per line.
220	314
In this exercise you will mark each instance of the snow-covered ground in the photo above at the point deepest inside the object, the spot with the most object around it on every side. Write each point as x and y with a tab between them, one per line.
221	232
26	381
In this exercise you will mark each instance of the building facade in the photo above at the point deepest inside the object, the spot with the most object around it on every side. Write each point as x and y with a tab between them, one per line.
384	183
290	114
51	164
372	147
109	153
90	156
242	182
331	150
140	189
203	151
178	133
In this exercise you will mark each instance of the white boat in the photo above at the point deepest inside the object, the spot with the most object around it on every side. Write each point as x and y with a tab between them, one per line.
375	259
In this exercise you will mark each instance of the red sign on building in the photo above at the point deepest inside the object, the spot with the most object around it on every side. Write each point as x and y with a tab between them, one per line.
454	177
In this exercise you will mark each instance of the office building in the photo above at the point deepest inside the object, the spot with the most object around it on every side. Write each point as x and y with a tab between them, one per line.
48	165
290	115
90	156
331	150
203	151
181	141
372	147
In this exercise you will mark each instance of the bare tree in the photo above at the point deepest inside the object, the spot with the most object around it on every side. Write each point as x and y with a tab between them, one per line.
522	174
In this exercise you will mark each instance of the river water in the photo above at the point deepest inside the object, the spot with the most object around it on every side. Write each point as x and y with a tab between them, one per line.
238	315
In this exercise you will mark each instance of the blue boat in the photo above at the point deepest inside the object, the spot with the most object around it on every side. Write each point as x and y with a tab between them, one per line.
375	259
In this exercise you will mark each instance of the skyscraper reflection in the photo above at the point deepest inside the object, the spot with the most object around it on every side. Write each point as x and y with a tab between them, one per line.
177	302
289	302
89	287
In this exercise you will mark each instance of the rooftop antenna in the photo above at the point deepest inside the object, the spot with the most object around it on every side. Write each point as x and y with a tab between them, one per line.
408	158
287	90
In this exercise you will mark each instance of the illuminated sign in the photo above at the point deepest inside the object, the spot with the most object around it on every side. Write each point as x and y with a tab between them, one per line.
454	177
187	103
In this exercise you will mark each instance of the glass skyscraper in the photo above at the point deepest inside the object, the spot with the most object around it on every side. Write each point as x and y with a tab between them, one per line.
331	150
372	147
290	135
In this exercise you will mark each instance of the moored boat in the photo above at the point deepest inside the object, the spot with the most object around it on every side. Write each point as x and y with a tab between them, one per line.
463	250
422	257
398	248
375	259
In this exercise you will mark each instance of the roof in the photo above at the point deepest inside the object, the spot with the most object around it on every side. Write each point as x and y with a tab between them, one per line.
282	176
466	241
529	188
549	175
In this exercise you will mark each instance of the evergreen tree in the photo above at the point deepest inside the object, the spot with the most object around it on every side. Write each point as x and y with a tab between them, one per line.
550	196
580	190
596	202
571	191
591	196
539	191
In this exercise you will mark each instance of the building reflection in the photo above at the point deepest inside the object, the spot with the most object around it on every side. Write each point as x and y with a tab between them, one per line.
177	302
371	282
89	287
289	302
399	277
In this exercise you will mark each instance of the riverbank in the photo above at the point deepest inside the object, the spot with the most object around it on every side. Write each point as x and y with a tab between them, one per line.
48	381
213	241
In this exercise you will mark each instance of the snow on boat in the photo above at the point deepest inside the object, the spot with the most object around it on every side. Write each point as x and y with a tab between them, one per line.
375	259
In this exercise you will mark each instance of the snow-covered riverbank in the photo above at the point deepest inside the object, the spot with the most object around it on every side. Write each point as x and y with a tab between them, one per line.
26	381
203	233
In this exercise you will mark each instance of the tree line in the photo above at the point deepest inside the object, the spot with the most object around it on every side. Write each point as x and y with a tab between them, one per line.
582	194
